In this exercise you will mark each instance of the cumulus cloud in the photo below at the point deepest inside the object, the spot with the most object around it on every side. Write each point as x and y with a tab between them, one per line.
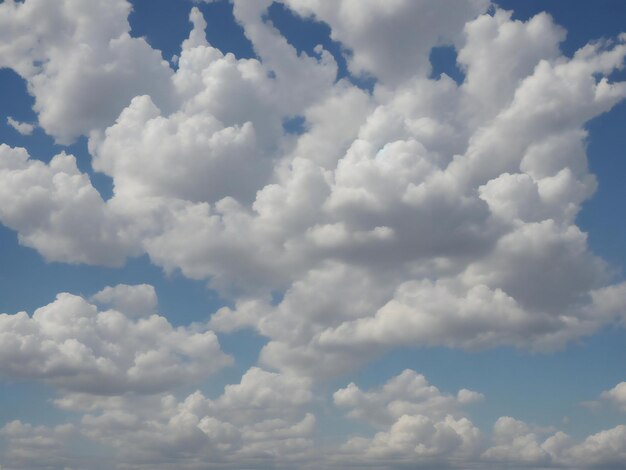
516	443
457	209
391	40
57	211
78	348
267	419
420	424
79	61
43	447
616	396
139	300
422	213
263	418
406	393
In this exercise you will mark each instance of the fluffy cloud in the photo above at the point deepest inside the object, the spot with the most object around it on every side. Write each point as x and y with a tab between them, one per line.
79	61
616	396
266	419
139	300
421	213
457	211
78	348
57	211
391	40
263	418
421	425
408	393
517	443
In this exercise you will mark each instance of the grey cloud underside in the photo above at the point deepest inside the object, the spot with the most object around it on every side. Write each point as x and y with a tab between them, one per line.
424	213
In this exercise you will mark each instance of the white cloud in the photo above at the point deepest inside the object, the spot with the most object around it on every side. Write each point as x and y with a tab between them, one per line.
23	128
419	424
616	396
458	216
139	300
57	211
79	61
518	444
424	213
605	449
262	420
391	40
408	393
78	348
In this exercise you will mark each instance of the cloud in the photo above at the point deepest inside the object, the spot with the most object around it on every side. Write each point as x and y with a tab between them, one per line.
263	419
72	345
79	61
458	212
139	300
419	213
516	443
419	426
391	41
57	211
616	396
408	393
419	423
23	128
267	419
31	446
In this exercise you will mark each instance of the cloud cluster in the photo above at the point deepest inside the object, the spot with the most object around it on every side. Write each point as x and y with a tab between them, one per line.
420	423
262	419
391	41
422	427
79	61
517	443
423	212
267	419
78	348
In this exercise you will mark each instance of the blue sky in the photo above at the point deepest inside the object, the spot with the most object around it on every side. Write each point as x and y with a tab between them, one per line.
395	197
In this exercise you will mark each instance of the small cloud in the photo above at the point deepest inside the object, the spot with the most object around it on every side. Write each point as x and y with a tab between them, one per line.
616	396
23	128
139	300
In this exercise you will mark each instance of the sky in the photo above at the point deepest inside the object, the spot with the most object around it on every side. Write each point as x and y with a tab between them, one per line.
312	234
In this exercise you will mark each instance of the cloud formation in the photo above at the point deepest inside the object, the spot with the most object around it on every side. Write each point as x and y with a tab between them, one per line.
423	212
78	348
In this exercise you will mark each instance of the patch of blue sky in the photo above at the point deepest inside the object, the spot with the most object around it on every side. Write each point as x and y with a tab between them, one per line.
165	25
443	61
295	125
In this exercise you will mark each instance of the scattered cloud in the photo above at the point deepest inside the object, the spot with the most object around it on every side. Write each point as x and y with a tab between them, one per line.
421	212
